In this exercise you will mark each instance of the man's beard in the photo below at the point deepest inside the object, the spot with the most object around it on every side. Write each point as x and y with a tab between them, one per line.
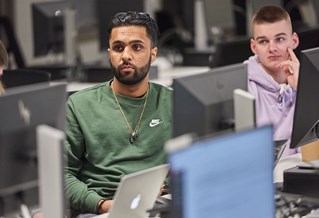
131	79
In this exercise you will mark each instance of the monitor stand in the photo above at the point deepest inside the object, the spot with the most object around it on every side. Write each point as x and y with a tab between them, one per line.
311	136
200	25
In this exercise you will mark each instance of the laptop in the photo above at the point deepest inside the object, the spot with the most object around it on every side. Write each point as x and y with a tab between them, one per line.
228	176
137	192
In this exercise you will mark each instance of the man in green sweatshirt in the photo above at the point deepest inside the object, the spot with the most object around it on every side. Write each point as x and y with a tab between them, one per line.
120	126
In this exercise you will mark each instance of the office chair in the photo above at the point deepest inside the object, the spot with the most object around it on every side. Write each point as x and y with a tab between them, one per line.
231	52
95	74
20	77
57	71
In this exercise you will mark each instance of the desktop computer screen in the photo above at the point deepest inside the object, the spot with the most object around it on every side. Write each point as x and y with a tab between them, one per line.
203	103
48	27
22	110
227	176
307	105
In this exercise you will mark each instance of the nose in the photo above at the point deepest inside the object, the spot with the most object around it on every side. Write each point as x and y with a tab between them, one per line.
272	45
126	55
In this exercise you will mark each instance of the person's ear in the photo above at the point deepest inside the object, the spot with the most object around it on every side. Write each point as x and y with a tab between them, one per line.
253	45
153	54
295	40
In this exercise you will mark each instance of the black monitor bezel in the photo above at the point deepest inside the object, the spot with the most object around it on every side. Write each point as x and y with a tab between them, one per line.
307	106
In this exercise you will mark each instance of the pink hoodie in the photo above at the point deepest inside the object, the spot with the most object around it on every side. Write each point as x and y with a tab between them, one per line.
275	103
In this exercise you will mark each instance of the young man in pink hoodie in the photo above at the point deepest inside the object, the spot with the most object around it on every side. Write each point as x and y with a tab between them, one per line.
273	71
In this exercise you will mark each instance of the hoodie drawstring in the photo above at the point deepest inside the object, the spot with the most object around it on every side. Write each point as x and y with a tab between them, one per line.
285	96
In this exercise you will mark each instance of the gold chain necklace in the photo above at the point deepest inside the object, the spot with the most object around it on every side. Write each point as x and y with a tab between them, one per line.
133	135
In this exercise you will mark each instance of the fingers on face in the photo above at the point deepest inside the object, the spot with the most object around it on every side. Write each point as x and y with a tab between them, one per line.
286	66
292	55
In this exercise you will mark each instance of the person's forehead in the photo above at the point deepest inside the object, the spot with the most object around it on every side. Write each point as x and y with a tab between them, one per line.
272	29
129	32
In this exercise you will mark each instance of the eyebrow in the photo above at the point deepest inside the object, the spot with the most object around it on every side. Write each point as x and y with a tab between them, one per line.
131	42
264	37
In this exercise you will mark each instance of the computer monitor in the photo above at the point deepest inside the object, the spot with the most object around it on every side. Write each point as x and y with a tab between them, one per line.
226	176
203	103
307	104
107	9
48	27
22	110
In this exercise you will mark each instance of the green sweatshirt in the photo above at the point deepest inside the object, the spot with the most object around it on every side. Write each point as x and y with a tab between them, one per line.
97	140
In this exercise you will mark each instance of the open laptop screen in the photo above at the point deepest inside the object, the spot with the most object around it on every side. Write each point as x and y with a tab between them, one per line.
228	176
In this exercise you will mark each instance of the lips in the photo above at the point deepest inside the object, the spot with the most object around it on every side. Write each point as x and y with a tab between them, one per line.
127	68
274	57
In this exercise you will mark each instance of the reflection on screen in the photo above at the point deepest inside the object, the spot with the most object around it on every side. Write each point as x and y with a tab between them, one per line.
225	177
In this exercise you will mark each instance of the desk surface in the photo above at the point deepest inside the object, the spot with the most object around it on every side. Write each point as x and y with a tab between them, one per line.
286	163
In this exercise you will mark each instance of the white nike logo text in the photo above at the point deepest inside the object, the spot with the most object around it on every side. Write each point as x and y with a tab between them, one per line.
155	122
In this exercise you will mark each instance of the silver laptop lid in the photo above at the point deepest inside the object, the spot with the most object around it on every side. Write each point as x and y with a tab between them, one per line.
137	192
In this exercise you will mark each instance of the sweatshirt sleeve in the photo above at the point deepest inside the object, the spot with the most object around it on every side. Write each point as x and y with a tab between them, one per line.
77	193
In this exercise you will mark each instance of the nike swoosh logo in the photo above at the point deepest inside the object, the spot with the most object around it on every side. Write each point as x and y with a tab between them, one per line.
155	122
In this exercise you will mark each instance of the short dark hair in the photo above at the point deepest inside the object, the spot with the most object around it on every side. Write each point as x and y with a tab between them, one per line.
270	14
134	18
4	60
